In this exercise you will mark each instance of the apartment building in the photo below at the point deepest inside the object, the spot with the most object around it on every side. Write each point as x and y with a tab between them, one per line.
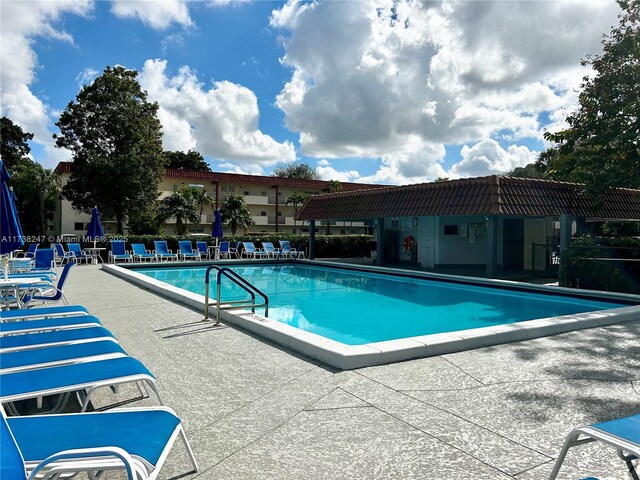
266	197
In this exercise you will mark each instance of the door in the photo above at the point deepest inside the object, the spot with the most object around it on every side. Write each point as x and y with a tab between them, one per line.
513	243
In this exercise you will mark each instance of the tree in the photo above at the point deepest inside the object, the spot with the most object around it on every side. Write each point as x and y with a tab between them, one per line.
37	189
296	199
334	186
201	198
191	160
144	221
301	171
13	142
235	212
179	205
116	140
532	170
600	147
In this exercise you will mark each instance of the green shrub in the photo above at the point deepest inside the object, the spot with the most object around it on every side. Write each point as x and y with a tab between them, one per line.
599	264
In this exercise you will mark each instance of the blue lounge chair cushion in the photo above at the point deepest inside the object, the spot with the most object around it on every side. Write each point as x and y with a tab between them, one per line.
59	336
42	312
63	376
11	461
59	353
142	433
59	323
627	428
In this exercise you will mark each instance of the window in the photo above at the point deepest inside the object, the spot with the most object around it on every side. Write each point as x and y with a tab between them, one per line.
246	193
263	213
451	229
78	226
175	187
227	188
264	194
194	185
279	214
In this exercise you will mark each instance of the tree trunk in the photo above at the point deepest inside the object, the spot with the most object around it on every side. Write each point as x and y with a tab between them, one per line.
119	229
43	218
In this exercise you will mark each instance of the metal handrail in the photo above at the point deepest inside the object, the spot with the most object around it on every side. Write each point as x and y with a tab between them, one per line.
237	304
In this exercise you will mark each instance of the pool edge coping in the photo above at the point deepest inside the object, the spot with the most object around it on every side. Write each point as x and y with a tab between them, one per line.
347	357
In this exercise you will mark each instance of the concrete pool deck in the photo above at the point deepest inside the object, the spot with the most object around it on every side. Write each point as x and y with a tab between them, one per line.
253	409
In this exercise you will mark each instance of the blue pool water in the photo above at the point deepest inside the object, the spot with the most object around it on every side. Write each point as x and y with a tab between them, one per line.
355	307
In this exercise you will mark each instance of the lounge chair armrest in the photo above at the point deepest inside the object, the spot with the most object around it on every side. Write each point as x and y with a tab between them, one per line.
87	459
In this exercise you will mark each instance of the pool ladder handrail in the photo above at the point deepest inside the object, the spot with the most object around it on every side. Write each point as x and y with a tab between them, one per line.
232	304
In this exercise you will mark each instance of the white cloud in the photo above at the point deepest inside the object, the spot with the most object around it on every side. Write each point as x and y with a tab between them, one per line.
20	24
155	14
225	3
325	171
376	79
170	41
221	121
86	76
487	157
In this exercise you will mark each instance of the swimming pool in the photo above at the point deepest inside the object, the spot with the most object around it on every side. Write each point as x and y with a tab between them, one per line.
356	307
351	317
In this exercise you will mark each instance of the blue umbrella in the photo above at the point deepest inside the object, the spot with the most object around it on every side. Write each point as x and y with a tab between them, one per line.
95	230
14	199
10	231
217	225
216	231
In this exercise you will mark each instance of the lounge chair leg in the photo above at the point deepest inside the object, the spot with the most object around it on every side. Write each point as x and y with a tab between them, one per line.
571	441
192	457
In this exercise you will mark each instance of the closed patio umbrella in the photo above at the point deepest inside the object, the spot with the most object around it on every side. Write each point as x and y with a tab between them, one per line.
10	231
95	230
216	231
217	226
14	199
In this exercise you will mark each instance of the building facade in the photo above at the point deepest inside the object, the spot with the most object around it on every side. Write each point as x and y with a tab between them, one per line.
496	223
265	196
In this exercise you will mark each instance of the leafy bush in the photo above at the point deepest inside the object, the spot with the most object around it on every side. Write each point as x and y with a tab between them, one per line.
602	263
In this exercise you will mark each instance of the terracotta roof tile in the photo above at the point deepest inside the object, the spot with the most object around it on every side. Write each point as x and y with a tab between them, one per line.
475	196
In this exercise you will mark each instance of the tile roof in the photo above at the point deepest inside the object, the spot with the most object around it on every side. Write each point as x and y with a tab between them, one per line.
475	196
235	178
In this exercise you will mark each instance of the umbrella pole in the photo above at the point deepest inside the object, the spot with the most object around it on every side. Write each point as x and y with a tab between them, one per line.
5	267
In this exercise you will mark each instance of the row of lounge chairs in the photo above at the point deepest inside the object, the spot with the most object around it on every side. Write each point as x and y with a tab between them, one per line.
60	352
56	254
186	251
42	257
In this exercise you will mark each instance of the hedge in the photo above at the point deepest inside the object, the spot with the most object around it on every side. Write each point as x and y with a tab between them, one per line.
598	263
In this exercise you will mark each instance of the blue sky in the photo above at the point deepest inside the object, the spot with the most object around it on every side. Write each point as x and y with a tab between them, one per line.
392	92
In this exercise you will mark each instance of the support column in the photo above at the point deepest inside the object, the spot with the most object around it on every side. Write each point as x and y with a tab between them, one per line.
492	245
312	239
277	208
217	184
566	222
378	225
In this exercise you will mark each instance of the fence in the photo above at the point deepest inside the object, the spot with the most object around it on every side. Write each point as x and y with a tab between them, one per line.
597	267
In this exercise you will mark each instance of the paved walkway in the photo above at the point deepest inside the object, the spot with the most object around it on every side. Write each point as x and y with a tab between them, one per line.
255	410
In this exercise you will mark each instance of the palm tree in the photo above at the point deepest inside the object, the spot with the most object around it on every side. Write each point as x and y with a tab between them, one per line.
236	213
295	199
334	186
181	206
202	198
